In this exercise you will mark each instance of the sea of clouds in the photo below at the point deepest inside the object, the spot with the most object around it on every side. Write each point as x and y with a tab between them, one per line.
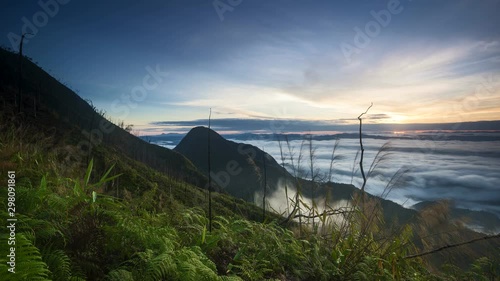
465	172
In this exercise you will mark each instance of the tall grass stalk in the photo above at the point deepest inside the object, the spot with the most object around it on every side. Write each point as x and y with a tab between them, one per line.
209	175
282	157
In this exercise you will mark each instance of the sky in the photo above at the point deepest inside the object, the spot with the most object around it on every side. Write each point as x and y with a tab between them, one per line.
151	63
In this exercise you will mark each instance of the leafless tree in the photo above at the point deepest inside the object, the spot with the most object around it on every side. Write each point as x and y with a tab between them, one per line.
362	154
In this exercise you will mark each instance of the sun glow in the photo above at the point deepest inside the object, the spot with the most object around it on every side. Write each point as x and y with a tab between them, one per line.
398	119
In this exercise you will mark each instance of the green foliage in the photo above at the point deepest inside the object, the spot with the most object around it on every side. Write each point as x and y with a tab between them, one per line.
120	275
60	265
482	269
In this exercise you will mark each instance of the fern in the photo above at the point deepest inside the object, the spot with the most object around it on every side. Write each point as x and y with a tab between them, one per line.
28	265
120	275
230	278
58	263
193	265
147	266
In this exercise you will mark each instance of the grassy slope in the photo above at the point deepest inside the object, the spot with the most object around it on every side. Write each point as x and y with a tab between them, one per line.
139	166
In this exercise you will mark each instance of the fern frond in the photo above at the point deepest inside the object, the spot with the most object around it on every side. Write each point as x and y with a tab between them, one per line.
28	261
58	263
120	275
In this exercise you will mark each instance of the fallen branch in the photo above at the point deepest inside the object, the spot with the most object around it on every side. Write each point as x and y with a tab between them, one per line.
453	246
330	213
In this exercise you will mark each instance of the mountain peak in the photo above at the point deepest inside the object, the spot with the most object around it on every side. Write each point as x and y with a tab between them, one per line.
234	165
198	136
202	131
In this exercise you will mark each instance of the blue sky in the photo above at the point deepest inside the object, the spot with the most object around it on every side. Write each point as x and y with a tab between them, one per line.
430	62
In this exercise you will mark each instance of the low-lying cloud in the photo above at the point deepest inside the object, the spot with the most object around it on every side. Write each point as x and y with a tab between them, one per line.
463	172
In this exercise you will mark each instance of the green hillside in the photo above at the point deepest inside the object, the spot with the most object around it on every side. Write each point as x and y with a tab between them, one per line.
123	209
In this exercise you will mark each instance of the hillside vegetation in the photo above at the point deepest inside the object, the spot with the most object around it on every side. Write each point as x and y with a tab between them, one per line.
126	210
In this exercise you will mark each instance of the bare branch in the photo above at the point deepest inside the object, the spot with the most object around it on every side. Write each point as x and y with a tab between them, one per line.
453	246
359	117
329	213
362	153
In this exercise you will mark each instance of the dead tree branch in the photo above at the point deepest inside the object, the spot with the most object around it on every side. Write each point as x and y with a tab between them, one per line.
452	246
329	213
19	98
362	152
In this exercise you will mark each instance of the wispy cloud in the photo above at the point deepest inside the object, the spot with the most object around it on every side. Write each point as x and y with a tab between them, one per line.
407	83
409	79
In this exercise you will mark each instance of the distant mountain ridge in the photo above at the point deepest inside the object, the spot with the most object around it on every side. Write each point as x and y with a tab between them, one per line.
301	125
175	138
